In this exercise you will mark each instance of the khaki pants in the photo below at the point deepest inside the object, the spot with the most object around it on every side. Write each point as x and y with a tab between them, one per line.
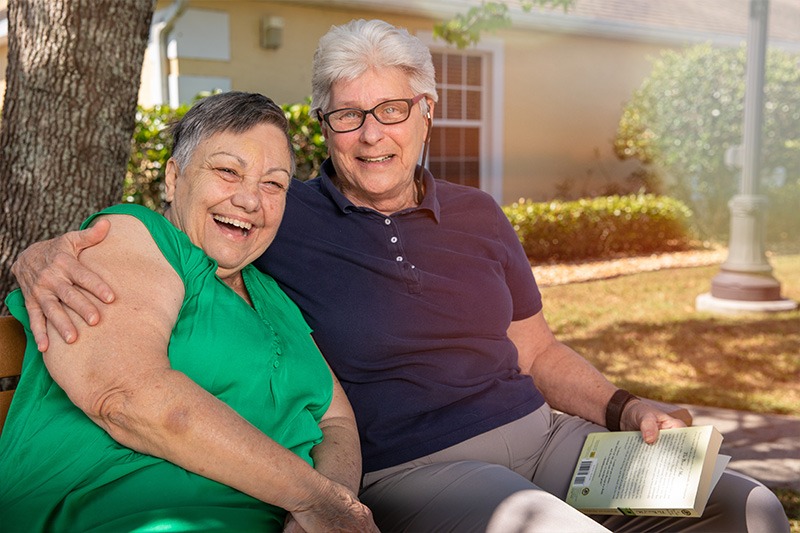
514	478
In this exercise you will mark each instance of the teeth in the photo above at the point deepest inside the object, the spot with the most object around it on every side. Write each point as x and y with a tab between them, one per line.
376	159
233	222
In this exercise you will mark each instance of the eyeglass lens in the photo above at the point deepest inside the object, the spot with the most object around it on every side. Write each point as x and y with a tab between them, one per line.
389	112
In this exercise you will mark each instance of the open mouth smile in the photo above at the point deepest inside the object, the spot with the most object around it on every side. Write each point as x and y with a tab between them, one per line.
233	224
375	159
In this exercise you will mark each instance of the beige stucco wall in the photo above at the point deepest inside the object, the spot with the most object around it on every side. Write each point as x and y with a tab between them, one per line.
3	58
563	94
283	74
3	65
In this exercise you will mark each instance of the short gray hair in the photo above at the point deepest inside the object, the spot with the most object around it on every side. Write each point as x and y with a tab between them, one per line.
349	50
231	111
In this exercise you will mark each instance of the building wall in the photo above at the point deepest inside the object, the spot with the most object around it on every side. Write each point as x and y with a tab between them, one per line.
562	93
564	96
3	49
283	73
3	65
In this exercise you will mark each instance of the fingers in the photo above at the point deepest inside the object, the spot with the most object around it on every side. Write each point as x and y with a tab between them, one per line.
339	512
53	310
38	324
649	428
669	422
673	423
49	275
77	275
650	420
80	240
92	235
57	286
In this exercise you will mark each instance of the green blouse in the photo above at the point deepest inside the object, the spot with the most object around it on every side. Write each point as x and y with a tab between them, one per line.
61	472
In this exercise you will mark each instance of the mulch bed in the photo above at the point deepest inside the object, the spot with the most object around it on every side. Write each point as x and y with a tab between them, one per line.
560	274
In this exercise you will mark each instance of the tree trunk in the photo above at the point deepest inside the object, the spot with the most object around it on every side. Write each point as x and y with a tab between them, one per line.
72	83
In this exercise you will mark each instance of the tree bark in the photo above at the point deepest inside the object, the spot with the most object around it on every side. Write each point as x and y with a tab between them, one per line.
73	75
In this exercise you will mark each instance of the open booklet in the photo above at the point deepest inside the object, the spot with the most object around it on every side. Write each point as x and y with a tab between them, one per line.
617	473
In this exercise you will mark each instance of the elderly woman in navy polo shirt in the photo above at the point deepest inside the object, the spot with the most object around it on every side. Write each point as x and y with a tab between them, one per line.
423	302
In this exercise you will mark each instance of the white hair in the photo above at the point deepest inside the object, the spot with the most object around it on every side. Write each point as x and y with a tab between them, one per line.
348	51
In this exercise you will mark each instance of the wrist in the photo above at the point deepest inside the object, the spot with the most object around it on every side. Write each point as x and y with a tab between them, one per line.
615	407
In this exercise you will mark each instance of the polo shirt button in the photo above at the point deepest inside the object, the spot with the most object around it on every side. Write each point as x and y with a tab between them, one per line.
387	221
394	239
399	258
276	364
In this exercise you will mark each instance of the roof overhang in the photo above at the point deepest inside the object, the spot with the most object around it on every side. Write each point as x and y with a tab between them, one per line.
553	20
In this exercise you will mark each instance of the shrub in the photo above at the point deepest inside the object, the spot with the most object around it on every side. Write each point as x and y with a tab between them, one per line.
601	227
151	148
307	140
690	110
782	219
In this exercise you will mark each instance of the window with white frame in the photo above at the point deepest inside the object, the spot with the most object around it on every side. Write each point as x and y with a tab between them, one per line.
466	140
455	153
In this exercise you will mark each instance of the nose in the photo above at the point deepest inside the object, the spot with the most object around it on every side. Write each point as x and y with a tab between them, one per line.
246	197
372	130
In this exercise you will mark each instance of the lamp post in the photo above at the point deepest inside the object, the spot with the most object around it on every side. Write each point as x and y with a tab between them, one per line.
745	281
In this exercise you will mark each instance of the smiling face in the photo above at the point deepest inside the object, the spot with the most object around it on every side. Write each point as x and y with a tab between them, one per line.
231	196
375	164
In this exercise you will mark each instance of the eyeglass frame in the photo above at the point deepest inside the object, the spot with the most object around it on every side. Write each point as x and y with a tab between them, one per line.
410	101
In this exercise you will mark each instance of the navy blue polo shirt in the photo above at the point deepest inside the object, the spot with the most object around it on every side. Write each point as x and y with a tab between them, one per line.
411	311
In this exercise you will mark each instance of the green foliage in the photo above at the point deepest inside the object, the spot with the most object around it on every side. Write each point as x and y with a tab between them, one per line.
600	227
790	499
151	148
783	220
689	111
307	140
466	29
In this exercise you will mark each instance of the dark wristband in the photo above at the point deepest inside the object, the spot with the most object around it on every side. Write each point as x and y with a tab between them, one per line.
615	406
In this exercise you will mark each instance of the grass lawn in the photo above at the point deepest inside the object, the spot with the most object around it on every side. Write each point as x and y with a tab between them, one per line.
643	333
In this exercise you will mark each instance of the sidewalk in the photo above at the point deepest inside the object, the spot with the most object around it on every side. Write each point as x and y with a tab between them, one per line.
766	447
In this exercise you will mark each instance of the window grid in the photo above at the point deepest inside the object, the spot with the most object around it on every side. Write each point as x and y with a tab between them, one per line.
455	139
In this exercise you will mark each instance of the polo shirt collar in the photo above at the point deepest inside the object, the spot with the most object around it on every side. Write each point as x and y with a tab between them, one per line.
430	202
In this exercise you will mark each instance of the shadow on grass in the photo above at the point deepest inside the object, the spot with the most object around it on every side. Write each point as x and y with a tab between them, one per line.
739	363
790	499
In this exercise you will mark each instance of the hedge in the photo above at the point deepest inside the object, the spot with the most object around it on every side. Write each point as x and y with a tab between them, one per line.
600	228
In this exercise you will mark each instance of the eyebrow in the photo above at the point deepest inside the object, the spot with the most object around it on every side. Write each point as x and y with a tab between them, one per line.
353	105
236	157
242	162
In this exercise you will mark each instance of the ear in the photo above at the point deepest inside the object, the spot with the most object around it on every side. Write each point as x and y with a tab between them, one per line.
431	107
170	179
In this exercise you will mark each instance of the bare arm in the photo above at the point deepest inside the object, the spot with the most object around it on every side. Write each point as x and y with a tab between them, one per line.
571	384
338	456
49	275
119	374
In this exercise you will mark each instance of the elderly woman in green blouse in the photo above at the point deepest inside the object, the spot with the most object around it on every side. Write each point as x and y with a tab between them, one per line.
200	402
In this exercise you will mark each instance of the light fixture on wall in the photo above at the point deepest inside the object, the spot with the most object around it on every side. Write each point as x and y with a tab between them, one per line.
271	32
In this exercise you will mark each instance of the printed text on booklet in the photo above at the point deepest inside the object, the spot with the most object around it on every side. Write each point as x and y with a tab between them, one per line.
617	473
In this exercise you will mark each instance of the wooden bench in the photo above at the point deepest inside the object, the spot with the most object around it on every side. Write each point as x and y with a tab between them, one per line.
12	348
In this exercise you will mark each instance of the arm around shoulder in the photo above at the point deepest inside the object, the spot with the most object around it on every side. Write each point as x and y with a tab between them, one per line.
119	373
49	275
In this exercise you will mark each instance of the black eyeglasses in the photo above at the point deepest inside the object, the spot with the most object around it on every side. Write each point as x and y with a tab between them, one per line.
388	112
